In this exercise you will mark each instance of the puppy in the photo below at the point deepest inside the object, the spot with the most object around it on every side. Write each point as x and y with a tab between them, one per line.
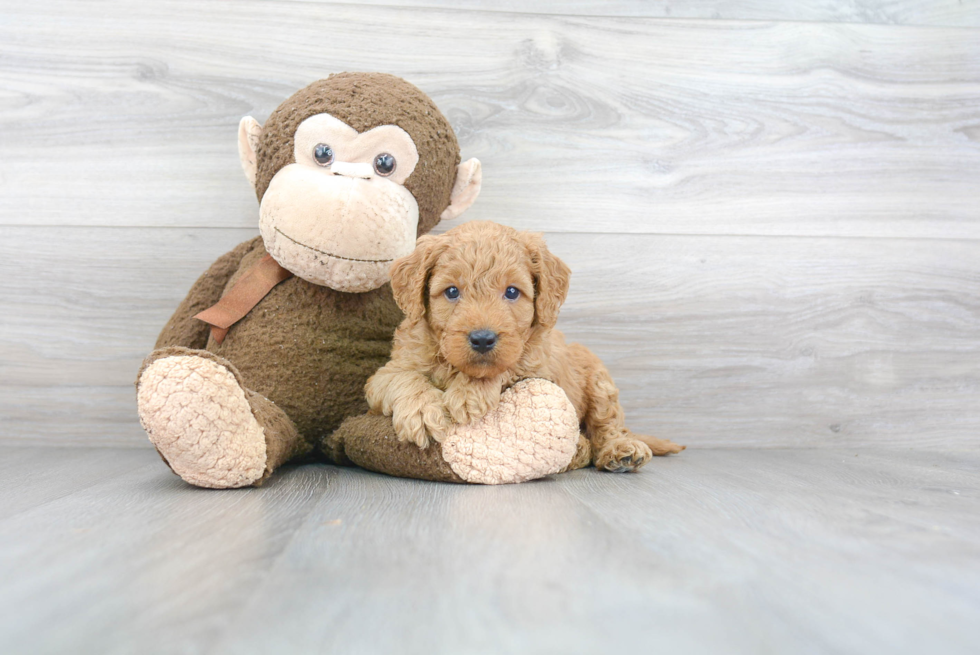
480	303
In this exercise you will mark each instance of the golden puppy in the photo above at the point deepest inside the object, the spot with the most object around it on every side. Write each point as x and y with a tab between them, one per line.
481	302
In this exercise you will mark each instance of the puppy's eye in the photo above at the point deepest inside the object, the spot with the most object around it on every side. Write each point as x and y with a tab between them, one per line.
384	164
512	293
452	293
323	154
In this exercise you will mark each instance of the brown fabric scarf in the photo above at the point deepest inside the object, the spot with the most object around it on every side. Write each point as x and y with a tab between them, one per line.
255	285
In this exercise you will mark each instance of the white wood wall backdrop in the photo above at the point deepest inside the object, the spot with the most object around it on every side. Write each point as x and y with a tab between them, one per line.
774	226
952	13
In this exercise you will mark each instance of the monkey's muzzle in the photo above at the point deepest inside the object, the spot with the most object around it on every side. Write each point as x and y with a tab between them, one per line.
339	230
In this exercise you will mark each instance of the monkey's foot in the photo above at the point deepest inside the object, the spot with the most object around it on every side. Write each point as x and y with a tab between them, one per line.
532	433
198	417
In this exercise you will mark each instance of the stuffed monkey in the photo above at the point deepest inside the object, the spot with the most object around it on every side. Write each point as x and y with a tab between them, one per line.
269	352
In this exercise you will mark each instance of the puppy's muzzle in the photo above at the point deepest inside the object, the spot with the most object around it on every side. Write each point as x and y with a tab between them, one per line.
483	341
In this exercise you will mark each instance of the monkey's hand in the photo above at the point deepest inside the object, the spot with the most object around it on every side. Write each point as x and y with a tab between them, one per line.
468	400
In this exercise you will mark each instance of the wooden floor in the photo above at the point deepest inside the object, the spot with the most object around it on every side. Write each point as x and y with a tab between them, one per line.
714	551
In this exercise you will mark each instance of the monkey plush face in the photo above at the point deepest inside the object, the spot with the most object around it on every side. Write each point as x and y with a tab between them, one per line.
349	171
340	214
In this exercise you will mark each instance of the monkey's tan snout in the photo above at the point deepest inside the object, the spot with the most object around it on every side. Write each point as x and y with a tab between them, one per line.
349	169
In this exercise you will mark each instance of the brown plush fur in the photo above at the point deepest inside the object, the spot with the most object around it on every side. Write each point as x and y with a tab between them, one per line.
183	329
435	377
370	442
365	101
305	347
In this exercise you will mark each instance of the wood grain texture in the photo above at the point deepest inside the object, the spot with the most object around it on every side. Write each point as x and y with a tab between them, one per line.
775	242
713	341
802	194
141	560
80	314
713	551
31	476
952	13
830	522
126	114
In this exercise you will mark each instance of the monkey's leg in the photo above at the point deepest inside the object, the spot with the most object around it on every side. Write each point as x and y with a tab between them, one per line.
210	429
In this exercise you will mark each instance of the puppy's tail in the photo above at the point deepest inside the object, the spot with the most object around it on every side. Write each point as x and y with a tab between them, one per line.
659	446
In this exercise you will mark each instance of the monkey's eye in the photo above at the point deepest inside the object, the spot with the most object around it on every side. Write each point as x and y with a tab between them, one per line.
384	164
323	154
452	293
512	293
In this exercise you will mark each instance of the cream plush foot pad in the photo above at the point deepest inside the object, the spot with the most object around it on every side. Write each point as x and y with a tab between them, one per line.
532	433
196	414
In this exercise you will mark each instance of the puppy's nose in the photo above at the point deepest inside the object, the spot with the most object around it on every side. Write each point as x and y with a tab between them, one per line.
483	341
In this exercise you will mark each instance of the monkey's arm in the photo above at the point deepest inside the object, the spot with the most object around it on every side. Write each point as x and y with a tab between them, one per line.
183	329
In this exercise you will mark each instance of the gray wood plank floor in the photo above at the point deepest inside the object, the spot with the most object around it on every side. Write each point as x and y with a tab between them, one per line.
714	551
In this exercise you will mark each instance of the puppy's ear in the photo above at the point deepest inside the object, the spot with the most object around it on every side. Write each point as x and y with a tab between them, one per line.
410	275
551	277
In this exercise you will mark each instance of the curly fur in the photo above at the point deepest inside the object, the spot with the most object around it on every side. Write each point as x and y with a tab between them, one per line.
435	378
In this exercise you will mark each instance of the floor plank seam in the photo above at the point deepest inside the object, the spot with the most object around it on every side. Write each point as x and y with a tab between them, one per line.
94	484
332	473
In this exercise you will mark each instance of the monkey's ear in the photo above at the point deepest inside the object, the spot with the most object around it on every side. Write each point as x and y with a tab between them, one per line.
551	278
249	132
469	179
410	275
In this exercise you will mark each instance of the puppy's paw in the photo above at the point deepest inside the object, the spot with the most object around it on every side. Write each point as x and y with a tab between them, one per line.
421	423
436	422
411	429
622	455
468	401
